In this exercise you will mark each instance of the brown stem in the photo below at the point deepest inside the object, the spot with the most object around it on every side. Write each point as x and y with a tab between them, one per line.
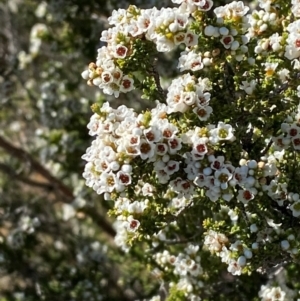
154	73
99	220
36	166
53	182
266	149
11	172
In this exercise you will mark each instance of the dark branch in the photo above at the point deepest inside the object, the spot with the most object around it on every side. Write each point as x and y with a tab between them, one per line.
53	182
154	73
12	173
36	166
98	219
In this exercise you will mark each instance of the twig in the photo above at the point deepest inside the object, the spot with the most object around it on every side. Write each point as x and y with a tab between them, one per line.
282	87
266	149
154	73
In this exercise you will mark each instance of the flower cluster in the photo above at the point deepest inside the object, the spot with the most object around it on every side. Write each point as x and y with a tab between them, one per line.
187	267
235	257
277	288
186	92
274	293
231	34
167	28
122	136
37	34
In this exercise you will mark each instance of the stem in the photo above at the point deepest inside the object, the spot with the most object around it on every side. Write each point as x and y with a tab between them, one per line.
53	182
22	155
11	173
154	73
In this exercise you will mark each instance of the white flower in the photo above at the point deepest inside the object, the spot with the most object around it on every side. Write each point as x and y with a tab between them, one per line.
213	193
68	212
204	5
296	142
231	10
199	148
296	9
94	124
296	209
107	182
222	177
272	224
28	224
161	149
190	61
171	167
248	87
162	176
126	84
148	189
136	207
246	195
239	176
41	10
37	31
123	178
146	149
24	59
174	145
192	249
274	293
292	49
200	179
155	298
133	224
221	132
152	134
233	215
227	196
159	112
168	130
270	68
234	268
203	112
190	38
225	254
215	241
227	41
284	75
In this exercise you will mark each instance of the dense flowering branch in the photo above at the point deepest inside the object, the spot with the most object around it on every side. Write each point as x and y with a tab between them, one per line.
221	145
